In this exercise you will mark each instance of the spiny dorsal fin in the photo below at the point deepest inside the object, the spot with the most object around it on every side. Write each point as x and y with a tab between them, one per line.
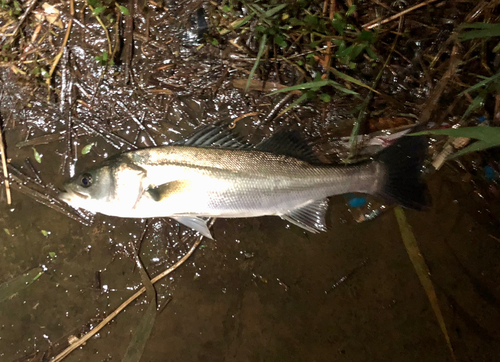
218	135
288	143
310	217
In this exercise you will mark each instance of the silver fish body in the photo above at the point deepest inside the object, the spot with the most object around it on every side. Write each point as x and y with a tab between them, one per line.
187	182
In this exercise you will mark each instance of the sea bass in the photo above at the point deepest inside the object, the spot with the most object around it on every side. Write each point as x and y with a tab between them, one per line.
215	174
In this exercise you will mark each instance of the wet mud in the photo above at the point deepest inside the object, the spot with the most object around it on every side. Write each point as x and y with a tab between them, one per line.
263	290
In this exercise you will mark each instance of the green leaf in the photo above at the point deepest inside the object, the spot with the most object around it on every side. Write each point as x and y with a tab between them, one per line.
476	146
98	10
295	22
136	346
17	8
496	49
302	86
351	10
325	98
351	79
477	102
299	100
87	148
340	25
480	84
236	24
138	342
241	22
52	254
311	21
488	137
262	46
367	36
44	73
226	8
275	10
315	85
124	10
44	233
482	30
278	39
371	53
13	286
422	271
483	133
38	157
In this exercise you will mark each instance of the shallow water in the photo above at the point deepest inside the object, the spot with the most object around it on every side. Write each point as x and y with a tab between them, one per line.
263	290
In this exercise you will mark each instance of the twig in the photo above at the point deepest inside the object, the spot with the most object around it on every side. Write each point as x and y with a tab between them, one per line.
58	56
430	106
21	20
110	50
377	23
139	123
5	172
328	58
21	183
251	114
496	112
362	113
30	167
128	43
272	115
108	319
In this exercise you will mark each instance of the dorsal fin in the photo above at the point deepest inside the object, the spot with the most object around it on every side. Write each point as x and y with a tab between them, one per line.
288	143
213	136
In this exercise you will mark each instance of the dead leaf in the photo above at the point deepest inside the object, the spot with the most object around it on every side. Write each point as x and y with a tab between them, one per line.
384	123
51	14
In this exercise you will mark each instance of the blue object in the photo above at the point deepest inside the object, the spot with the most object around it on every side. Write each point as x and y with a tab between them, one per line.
489	173
481	119
357	202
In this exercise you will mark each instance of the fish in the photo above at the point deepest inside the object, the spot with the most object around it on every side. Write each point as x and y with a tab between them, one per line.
214	173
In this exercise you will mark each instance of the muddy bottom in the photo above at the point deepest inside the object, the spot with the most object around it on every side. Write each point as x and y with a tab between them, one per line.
263	290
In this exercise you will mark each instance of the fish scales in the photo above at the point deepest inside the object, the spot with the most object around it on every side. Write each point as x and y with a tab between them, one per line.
250	182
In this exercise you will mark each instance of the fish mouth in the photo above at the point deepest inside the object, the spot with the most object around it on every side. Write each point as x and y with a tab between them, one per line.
69	196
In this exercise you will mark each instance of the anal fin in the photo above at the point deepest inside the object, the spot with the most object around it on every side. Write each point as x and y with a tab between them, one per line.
195	223
310	217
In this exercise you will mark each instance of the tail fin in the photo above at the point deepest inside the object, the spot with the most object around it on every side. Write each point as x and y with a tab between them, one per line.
403	162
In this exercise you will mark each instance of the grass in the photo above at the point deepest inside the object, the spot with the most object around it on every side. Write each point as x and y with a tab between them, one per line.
301	27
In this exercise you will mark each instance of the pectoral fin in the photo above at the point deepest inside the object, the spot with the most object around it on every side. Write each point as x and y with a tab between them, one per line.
195	223
163	192
310	217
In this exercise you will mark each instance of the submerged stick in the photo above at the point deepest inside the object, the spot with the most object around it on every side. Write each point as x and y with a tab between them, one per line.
5	172
109	318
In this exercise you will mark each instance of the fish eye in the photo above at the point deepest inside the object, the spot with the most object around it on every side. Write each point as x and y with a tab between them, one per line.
86	180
